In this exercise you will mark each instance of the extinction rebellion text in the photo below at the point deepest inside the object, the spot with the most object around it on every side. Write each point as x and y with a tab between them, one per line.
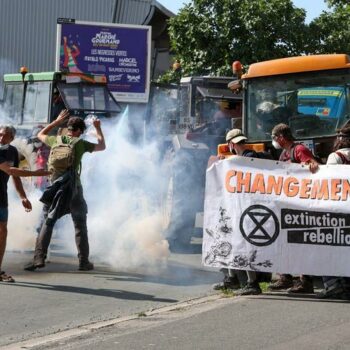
314	227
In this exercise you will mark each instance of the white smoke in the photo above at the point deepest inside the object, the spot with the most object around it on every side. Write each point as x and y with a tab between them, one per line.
22	225
122	186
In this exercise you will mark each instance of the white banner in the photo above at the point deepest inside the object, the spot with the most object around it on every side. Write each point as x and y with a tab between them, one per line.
271	216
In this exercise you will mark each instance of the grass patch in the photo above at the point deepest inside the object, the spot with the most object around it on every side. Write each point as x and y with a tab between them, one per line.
264	286
141	314
228	293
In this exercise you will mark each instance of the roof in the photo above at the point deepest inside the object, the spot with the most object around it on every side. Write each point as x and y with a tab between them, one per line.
297	65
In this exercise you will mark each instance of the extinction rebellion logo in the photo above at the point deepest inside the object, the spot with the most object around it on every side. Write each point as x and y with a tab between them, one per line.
259	225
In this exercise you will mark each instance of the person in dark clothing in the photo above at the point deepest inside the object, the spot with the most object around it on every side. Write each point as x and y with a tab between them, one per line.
293	152
9	167
77	205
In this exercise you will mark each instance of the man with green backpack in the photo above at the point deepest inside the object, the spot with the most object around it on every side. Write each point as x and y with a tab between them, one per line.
65	194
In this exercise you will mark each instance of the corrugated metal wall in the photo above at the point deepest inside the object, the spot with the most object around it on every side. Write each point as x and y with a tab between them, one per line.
28	27
132	11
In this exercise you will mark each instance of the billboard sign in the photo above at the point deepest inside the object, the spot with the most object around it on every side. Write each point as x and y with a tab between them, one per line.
120	52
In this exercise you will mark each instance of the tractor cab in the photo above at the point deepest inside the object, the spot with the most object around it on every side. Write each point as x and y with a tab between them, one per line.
32	99
309	93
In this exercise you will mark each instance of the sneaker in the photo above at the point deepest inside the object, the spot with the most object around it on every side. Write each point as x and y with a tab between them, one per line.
32	266
282	283
249	289
304	286
86	266
227	283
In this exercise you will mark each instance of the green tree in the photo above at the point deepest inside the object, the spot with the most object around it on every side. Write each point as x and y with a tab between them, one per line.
208	35
330	32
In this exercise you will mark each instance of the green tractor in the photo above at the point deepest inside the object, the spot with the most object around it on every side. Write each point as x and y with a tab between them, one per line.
32	100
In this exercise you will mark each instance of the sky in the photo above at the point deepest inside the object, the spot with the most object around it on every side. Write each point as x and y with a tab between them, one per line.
313	7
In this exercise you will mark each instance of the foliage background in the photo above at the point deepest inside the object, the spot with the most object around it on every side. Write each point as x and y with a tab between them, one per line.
208	35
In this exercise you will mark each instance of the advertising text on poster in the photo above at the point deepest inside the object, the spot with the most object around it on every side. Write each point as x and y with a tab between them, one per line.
119	52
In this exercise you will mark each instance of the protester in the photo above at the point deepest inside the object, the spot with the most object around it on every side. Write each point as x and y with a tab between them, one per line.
8	167
236	141
338	287
293	152
65	195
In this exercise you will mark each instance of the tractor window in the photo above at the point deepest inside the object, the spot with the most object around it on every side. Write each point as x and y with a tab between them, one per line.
313	104
88	97
218	111
36	105
13	101
162	111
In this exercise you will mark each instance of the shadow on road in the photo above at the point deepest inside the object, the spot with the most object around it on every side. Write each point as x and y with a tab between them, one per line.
173	275
110	293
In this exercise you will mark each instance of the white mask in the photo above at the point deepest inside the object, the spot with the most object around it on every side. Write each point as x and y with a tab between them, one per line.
276	145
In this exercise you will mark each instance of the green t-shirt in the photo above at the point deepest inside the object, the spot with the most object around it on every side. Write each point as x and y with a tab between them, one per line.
80	148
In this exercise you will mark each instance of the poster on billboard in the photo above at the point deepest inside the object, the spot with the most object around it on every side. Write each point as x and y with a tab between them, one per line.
120	52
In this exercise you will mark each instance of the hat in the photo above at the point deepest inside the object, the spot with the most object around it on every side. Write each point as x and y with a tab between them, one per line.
235	136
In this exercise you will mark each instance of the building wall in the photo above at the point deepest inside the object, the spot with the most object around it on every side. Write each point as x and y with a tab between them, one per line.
28	27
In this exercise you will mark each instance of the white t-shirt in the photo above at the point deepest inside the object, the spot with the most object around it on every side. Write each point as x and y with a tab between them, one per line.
333	158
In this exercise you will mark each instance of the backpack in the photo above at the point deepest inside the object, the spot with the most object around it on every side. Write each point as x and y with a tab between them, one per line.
344	159
61	156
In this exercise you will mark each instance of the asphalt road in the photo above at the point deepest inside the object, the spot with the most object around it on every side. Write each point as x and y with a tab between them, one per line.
174	308
59	297
271	322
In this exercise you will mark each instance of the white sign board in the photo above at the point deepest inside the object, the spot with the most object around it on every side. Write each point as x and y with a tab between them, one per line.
271	216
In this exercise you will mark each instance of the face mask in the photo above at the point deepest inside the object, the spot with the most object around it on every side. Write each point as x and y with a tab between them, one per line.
276	145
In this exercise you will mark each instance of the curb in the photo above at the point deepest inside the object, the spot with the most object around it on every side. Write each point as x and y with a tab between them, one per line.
84	329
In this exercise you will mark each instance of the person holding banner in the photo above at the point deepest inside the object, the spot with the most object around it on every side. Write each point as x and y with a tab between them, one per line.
293	152
338	287
236	143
